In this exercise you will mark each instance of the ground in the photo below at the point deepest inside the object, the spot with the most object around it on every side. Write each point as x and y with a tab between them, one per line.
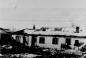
35	53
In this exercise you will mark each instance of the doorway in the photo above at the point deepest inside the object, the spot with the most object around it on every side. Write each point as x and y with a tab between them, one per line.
68	41
33	41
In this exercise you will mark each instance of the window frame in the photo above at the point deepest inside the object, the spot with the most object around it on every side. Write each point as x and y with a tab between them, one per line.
42	40
55	40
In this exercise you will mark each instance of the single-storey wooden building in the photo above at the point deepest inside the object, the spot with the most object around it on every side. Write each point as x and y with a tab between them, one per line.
50	39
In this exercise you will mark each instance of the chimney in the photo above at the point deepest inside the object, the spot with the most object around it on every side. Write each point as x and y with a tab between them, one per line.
34	27
77	29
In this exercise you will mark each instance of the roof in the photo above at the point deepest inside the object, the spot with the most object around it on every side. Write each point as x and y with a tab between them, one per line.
54	33
50	33
20	32
2	30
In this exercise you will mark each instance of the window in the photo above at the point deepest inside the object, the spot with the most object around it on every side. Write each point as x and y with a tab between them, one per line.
77	43
42	40
55	41
68	41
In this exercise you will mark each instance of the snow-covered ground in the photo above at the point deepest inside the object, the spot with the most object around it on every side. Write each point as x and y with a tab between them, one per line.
26	55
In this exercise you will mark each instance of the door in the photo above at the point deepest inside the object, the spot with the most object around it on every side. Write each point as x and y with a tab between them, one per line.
25	41
33	41
68	41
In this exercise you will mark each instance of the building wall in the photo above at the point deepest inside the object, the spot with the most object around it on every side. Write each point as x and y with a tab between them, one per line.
81	40
48	42
20	38
28	38
61	40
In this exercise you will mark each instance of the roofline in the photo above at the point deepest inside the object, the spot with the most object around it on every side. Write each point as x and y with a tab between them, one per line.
54	35
70	36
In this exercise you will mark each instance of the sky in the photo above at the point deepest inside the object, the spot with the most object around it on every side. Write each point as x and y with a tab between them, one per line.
25	13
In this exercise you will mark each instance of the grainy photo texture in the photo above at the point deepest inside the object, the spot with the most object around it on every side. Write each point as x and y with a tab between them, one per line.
42	29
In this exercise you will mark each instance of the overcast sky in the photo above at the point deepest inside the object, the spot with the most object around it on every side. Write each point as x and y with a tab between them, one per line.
25	13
